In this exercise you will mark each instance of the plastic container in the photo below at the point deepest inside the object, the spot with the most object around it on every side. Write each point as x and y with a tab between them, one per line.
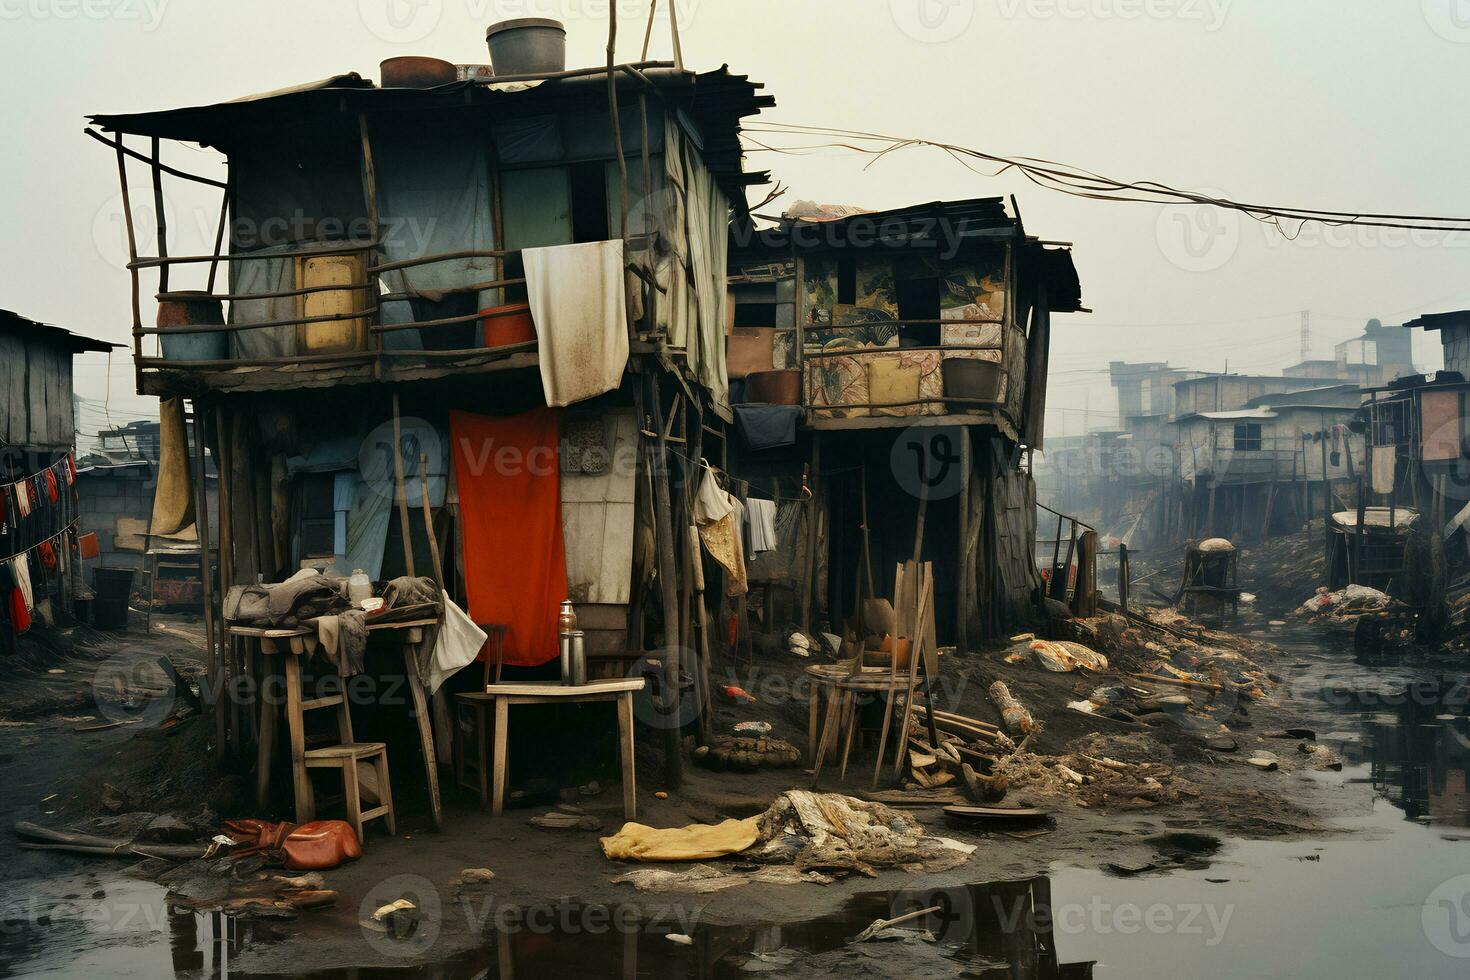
213	345
359	587
968	377
773	387
113	586
501	326
414	71
331	336
527	46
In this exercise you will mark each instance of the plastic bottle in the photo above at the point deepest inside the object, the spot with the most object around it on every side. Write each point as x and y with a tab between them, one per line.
359	587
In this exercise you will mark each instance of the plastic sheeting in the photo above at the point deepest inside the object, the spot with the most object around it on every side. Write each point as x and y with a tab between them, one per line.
434	196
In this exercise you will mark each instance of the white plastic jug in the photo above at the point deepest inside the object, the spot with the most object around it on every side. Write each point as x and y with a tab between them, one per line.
359	587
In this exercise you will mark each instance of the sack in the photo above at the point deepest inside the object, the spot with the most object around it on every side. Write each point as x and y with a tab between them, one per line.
314	846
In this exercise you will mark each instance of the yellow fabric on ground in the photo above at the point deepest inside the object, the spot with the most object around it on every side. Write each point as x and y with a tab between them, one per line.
636	842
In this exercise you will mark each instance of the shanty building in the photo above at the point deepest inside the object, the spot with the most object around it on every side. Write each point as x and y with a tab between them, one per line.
1267	467
456	324
913	344
38	501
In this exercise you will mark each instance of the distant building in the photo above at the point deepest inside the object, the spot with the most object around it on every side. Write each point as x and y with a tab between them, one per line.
1377	356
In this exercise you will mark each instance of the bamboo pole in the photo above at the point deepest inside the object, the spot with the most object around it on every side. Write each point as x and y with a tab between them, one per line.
160	217
429	520
127	206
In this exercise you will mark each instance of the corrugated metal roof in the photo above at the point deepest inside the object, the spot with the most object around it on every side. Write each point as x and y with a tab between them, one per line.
716	101
75	342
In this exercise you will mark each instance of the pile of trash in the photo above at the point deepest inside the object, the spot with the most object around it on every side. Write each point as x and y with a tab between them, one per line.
1058	656
1089	775
1342	609
830	832
801	837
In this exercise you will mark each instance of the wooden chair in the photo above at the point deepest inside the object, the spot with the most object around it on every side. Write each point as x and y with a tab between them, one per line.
345	756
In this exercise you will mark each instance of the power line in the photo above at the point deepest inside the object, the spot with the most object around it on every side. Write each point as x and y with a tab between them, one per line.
1083	183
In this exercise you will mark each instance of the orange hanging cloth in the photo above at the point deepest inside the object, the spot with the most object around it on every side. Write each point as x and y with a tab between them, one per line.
508	476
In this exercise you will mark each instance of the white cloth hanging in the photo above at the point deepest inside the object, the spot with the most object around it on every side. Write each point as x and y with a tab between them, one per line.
760	521
459	642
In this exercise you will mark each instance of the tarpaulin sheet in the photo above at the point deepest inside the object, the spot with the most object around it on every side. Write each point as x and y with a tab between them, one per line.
508	479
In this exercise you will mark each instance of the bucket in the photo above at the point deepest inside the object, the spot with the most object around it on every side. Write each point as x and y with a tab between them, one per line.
527	46
112	585
967	377
413	71
501	326
208	346
773	387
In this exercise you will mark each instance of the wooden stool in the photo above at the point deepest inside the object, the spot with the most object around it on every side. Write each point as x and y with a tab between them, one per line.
344	756
840	724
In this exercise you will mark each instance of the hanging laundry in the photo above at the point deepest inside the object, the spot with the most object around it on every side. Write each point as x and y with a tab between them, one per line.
1384	460
515	554
49	475
760	525
718	516
22	498
69	466
20	567
48	556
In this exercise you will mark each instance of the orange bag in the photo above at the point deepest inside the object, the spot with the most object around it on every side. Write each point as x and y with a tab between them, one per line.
314	846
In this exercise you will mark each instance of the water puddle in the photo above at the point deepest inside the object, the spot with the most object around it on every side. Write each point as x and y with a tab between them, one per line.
1390	899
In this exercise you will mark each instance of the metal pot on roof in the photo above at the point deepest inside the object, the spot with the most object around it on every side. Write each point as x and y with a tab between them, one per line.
527	46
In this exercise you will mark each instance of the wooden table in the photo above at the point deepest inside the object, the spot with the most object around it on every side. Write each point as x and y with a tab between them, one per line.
303	640
502	696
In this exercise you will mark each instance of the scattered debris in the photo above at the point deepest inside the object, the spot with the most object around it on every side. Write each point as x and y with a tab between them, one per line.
879	925
746	754
1018	720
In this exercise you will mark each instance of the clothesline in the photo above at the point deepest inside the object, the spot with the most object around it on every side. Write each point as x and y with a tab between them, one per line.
26	551
807	494
65	461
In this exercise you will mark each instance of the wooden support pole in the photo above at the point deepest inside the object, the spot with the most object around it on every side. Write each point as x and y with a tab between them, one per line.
399	490
429	520
814	513
215	665
127	206
160	217
668	586
964	577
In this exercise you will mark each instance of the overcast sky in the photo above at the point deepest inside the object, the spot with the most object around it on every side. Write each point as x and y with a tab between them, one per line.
1333	104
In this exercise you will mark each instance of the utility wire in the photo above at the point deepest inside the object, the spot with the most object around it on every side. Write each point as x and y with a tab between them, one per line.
1080	182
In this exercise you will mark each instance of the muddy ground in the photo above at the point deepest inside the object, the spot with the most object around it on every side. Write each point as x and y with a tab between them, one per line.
63	767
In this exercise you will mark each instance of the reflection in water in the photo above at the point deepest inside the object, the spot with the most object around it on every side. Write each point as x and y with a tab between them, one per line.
1409	738
1416	743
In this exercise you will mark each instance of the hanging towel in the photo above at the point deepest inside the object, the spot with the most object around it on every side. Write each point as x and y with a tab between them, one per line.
767	426
760	523
22	499
509	485
51	491
456	647
173	500
579	307
1384	458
